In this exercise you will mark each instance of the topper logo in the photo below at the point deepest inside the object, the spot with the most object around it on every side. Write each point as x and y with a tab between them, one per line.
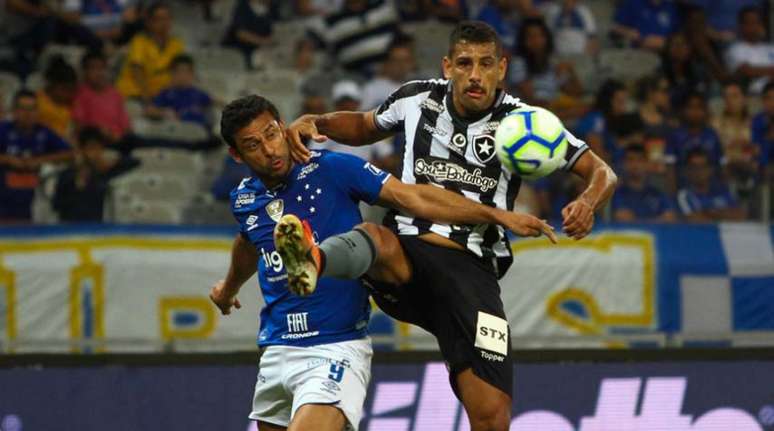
660	408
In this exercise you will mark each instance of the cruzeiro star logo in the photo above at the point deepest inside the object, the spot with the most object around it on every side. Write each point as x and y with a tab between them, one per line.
484	148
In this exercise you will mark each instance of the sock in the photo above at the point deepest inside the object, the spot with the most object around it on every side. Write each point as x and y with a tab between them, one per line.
348	255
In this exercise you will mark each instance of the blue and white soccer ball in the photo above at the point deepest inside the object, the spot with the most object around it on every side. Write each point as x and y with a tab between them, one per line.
531	142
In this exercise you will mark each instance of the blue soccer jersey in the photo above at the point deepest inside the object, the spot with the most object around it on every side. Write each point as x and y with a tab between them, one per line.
326	192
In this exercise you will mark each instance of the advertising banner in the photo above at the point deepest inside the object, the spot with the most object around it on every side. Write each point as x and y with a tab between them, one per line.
658	396
113	288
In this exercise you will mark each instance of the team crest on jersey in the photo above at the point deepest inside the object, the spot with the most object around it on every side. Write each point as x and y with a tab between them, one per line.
484	148
275	209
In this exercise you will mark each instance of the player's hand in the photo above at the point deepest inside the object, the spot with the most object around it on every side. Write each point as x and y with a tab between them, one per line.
526	225
223	300
300	130
578	219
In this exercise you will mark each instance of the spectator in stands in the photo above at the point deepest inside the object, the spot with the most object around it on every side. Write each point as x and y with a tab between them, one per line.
182	100
595	127
250	27
694	132
751	57
684	73
81	189
636	199
102	18
304	56
574	26
705	50
733	127
25	145
347	96
395	70
654	105
763	128
146	67
503	16
722	16
538	78
645	23
703	199
359	35
97	102
55	99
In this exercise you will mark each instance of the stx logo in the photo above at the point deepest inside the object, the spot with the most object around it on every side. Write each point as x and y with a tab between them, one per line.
492	333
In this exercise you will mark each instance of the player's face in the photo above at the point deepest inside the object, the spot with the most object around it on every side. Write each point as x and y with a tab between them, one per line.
475	70
262	146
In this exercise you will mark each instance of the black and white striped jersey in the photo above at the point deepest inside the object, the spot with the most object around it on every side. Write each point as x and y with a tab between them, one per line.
458	154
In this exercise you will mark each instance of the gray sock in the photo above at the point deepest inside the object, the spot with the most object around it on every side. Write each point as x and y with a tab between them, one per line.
348	255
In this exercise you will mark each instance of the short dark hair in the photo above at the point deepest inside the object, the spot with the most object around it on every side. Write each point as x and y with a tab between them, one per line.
240	112
693	95
154	7
24	92
603	101
747	10
636	149
90	134
59	71
181	60
474	32
92	55
768	87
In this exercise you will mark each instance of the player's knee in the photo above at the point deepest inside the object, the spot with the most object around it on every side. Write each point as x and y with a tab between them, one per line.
491	416
381	238
389	265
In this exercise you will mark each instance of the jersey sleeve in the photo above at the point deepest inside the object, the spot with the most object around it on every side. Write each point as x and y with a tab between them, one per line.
575	149
391	114
361	180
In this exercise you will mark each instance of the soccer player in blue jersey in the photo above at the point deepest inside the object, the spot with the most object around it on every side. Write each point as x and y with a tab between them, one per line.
315	365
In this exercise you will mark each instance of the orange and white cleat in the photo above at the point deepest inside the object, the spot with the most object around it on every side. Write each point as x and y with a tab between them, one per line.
294	242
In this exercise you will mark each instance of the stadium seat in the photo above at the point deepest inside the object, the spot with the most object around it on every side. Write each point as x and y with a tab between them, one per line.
179	131
168	160
204	209
71	53
222	85
34	81
148	186
219	58
9	85
587	70
627	64
281	87
145	212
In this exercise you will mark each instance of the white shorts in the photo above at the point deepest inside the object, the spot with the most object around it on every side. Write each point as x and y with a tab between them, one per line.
335	374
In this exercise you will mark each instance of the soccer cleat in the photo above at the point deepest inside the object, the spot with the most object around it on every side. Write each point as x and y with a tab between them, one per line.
301	256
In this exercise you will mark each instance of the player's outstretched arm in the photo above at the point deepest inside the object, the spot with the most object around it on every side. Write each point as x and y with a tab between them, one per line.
244	258
578	215
344	127
437	204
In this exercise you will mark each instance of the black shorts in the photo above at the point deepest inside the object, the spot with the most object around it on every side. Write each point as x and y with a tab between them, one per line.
455	296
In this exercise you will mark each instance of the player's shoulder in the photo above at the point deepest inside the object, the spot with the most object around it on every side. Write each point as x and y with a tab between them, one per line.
243	196
413	88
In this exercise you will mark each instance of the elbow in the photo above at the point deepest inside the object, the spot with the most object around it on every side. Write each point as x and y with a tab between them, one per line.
612	178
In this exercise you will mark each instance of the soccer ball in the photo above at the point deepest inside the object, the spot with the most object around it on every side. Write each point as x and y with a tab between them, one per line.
531	142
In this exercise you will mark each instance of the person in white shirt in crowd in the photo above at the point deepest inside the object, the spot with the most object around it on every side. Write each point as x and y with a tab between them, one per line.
396	69
573	25
751	57
348	96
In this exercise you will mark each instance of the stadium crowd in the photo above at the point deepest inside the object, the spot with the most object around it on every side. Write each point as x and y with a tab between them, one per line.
98	98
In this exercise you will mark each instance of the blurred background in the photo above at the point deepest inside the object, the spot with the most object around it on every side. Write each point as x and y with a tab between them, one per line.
114	217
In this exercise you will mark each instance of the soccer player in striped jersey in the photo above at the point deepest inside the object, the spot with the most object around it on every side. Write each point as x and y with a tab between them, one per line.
443	276
316	360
